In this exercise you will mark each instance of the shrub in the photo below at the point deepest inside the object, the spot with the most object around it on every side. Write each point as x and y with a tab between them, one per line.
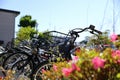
87	65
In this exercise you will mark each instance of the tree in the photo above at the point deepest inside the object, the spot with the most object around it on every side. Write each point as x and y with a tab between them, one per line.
25	33
27	30
26	21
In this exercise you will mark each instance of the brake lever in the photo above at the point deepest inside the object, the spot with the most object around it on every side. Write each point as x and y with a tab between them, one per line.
92	27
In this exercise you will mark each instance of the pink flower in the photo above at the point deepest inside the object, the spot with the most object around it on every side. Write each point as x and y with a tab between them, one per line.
113	37
75	59
66	71
75	67
55	67
116	55
98	63
118	61
43	71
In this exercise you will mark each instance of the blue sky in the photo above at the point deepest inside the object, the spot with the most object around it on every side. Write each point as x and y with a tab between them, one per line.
64	15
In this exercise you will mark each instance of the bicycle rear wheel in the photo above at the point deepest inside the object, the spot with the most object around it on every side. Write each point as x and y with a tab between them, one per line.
3	56
13	58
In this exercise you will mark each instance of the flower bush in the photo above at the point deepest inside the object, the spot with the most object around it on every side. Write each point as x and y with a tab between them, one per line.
88	65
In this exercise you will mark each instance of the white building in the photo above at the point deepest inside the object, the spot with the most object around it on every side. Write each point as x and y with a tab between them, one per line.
7	24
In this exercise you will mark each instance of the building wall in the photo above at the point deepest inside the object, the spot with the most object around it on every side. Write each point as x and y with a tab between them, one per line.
7	26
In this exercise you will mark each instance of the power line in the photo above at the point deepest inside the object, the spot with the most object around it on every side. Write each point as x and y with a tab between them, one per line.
117	16
113	16
104	15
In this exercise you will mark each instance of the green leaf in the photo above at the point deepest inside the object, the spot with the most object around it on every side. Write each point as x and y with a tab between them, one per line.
118	75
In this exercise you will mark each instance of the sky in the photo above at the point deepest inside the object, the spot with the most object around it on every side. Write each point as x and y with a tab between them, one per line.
64	15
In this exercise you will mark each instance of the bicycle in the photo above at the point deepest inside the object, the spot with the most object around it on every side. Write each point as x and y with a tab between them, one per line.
11	49
24	62
67	47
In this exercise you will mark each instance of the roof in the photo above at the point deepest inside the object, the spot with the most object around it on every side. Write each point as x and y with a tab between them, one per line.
11	11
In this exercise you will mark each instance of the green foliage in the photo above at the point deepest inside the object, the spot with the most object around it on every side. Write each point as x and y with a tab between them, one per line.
118	75
45	35
26	21
99	39
25	33
84	67
117	43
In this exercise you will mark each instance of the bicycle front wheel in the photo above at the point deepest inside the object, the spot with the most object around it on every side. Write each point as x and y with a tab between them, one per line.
38	73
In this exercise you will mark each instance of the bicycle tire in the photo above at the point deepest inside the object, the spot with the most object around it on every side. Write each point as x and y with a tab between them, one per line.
3	56
23	67
37	74
13	58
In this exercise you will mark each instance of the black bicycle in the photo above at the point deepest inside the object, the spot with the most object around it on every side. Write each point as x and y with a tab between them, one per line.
26	60
66	48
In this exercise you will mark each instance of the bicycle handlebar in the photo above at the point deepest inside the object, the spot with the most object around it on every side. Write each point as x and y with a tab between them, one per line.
91	27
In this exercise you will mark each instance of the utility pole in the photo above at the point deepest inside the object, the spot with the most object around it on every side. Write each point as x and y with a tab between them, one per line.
113	16
36	26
